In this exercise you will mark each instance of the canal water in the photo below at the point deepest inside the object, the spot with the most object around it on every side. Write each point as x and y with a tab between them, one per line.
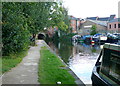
80	57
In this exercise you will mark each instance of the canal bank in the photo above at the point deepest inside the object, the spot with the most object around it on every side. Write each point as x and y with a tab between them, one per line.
77	80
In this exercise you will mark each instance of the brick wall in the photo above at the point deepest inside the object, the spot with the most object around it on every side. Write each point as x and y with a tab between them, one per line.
113	27
73	25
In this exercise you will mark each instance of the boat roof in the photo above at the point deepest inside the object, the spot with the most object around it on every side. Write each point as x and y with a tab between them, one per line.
112	46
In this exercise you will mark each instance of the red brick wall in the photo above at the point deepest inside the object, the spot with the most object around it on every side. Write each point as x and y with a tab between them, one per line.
113	29
73	25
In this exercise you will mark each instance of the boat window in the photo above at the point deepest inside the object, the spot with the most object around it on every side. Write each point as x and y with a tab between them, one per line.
111	65
115	67
105	61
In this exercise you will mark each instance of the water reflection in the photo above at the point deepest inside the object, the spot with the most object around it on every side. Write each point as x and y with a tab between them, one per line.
64	50
80	57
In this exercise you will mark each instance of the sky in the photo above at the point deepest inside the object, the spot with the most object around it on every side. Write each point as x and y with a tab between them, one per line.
91	8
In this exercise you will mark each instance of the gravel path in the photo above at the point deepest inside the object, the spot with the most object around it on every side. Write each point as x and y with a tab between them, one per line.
27	71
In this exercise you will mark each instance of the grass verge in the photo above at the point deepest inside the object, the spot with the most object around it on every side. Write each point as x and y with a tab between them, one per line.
11	61
50	70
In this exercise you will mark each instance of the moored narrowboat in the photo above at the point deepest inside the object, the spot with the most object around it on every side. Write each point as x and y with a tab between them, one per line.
106	71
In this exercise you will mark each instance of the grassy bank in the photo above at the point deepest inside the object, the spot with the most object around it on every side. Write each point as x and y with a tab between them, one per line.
51	69
11	61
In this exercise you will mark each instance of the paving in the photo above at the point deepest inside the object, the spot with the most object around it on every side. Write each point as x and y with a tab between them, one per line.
25	72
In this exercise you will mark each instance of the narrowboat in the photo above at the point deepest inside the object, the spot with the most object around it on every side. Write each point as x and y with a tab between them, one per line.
106	71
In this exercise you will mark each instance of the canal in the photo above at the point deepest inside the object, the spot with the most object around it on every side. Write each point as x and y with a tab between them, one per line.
80	57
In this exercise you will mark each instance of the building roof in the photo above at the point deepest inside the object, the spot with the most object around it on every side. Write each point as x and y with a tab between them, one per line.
115	20
103	23
74	18
111	17
102	18
92	18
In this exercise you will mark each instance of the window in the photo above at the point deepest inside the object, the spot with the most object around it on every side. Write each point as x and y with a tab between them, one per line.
88	26
88	30
114	25
111	65
118	25
110	26
114	71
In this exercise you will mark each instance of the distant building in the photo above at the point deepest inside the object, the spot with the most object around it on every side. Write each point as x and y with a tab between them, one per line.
114	26
85	28
100	22
74	23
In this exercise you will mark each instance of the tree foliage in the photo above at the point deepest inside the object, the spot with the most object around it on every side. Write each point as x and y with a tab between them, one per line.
66	19
59	17
93	30
62	26
15	36
22	19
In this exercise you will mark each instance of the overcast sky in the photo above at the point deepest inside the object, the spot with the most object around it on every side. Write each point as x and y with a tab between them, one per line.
91	8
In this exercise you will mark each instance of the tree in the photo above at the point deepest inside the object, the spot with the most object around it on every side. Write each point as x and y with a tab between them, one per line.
59	17
45	14
37	16
93	30
66	19
15	35
62	26
20	20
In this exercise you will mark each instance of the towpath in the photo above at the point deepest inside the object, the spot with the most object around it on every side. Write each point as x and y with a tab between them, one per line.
25	72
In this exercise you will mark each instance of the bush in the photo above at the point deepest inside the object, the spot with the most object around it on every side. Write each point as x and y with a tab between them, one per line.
93	28
15	35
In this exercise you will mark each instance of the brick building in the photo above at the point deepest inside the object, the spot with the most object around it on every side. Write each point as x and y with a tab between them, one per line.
114	26
74	23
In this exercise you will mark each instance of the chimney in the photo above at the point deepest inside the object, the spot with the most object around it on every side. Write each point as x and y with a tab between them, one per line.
97	17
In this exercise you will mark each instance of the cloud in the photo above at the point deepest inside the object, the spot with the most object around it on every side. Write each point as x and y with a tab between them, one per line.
87	8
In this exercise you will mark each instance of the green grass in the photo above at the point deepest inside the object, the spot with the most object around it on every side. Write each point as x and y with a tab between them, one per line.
50	70
0	66
12	60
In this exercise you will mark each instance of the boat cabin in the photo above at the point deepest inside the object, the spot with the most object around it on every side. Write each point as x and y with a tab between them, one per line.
107	68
